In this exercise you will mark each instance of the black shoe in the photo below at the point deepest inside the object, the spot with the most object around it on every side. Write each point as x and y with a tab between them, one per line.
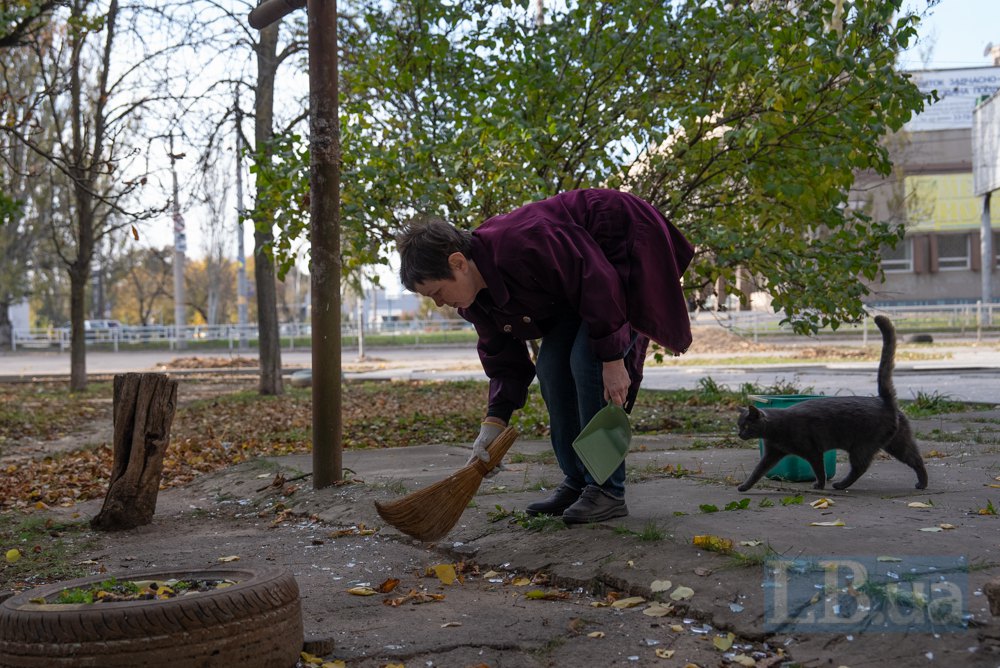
594	505
561	499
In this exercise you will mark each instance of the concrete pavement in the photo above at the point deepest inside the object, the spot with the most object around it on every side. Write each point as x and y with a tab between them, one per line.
680	487
938	545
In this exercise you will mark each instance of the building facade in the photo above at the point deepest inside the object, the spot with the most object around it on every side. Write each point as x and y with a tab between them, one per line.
940	260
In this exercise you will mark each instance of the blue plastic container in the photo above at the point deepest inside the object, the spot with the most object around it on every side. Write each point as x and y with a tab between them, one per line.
791	467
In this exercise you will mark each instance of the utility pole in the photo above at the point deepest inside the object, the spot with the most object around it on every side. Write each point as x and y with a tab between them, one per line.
988	261
180	248
324	228
241	260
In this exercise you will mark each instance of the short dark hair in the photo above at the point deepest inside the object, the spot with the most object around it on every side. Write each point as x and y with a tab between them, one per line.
424	246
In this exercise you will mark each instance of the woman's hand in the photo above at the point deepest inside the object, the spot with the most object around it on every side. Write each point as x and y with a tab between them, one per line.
616	382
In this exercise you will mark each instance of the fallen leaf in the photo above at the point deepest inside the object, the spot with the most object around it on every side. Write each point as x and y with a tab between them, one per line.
932	529
413	597
596	634
657	609
677	628
682	593
362	591
135	233
387	586
542	595
445	573
919	504
835	523
744	660
888	559
946	526
822	503
599	604
228	559
660	585
13	555
521	582
751	543
630	602
664	653
713	543
448	625
723	643
491	574
359	530
702	571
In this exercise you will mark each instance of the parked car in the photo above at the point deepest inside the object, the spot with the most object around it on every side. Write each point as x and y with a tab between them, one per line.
89	325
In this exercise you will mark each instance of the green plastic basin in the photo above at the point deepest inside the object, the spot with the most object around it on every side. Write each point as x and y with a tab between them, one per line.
792	468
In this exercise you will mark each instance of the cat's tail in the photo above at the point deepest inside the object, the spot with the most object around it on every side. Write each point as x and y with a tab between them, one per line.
886	389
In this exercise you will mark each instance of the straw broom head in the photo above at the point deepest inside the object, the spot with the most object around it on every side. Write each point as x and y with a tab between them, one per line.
430	513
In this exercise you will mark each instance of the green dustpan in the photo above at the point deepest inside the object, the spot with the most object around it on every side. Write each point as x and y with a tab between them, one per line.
603	443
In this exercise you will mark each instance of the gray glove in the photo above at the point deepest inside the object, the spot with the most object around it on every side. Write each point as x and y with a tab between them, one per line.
487	432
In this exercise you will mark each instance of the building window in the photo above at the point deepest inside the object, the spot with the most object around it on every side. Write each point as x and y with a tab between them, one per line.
899	259
953	252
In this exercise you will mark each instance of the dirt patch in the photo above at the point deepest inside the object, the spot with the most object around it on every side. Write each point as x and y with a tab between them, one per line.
718	340
211	363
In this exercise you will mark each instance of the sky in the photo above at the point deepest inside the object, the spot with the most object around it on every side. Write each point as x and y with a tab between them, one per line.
954	34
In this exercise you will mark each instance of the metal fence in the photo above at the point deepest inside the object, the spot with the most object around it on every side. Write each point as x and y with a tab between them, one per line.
232	337
979	320
962	320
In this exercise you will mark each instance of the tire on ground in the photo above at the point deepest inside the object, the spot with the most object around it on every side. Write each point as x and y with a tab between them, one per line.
256	622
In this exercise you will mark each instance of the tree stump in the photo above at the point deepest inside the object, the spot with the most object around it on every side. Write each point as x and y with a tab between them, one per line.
144	405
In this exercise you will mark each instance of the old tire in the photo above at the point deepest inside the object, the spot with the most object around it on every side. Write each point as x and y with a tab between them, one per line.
255	622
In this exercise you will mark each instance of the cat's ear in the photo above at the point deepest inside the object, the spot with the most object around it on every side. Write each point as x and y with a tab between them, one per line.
753	411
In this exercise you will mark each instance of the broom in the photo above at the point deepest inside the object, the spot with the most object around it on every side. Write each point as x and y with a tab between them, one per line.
430	513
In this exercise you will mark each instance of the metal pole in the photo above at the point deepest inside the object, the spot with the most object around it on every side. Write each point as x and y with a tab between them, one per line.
324	125
241	260
180	247
988	260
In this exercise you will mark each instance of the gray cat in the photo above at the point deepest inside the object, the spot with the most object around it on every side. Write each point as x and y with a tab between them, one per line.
858	425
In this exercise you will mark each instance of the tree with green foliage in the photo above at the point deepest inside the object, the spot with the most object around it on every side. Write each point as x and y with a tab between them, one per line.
745	123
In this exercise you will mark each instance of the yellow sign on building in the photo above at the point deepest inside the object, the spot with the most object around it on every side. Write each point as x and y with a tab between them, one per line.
941	203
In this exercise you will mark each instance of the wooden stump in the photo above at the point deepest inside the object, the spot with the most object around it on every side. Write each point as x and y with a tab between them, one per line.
144	405
992	591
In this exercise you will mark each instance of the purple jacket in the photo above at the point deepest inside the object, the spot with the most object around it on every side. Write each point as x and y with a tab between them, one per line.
605	256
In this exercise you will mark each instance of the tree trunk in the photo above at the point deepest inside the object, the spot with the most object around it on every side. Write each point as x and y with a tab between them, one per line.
269	342
78	337
6	327
144	405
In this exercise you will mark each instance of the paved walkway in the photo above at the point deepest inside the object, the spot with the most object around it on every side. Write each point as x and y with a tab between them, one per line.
925	554
881	574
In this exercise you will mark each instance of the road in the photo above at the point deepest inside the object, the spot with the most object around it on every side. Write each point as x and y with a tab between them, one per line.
970	372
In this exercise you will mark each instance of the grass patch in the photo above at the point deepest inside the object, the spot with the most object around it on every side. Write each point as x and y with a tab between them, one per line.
548	457
649	533
44	410
50	551
752	559
536	523
926	404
